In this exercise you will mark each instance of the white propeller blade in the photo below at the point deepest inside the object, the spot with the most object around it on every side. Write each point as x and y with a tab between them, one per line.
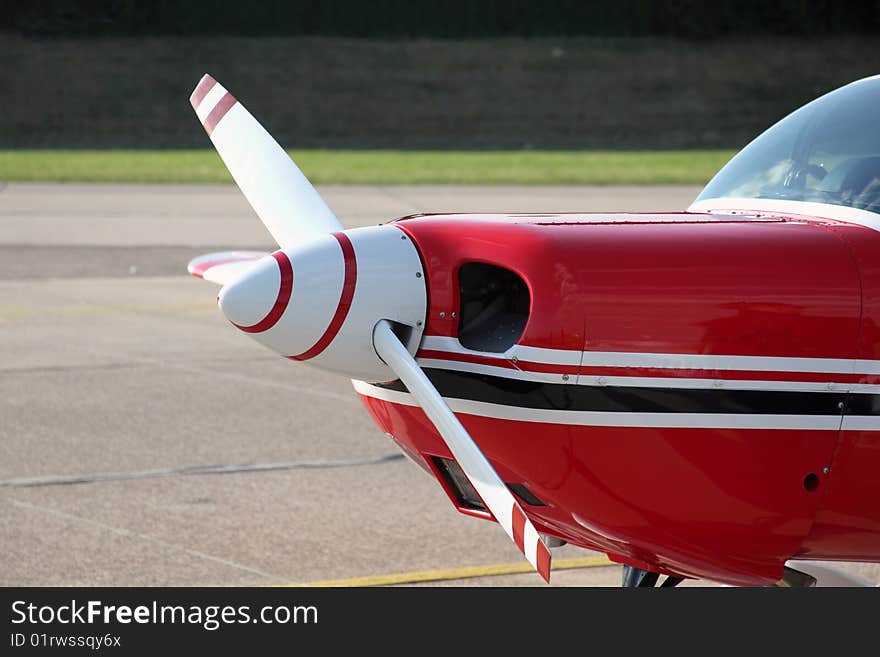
493	491
223	267
283	198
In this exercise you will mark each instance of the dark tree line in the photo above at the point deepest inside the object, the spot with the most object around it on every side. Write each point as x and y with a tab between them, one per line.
693	19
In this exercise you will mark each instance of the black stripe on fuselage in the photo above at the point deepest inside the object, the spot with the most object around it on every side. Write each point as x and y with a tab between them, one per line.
565	397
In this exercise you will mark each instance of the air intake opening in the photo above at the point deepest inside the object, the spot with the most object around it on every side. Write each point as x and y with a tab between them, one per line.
458	483
525	494
465	495
494	307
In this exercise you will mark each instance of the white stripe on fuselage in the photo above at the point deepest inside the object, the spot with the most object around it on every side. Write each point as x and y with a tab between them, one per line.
732	363
624	419
649	381
492	370
649	360
521	352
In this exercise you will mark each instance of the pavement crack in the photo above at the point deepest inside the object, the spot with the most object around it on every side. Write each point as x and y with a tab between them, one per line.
68	368
153	473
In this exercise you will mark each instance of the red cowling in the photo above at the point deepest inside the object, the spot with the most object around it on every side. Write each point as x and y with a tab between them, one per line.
727	504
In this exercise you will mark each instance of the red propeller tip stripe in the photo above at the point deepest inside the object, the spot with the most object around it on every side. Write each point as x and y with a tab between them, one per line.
219	112
202	88
543	558
519	528
542	554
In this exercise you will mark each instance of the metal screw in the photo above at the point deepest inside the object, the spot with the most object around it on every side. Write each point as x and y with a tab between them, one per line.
453	313
514	359
601	380
442	314
418	274
419	323
825	470
403	237
841	405
565	377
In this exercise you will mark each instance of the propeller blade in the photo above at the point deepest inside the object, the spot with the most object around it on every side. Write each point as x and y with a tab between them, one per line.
283	198
493	491
223	267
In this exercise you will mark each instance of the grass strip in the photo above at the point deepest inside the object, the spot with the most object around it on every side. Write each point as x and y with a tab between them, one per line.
377	167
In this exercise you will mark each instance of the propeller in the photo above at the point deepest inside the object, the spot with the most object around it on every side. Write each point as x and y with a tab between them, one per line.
283	198
349	301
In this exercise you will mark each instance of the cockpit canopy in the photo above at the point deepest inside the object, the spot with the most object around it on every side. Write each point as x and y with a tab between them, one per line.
826	152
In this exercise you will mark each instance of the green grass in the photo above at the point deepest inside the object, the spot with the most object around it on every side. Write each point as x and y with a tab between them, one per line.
377	167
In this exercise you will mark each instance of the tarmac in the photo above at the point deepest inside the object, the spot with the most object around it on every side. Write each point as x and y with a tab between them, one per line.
145	442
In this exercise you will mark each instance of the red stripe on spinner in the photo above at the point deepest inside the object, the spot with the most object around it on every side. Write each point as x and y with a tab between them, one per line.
284	290
205	85
344	304
543	558
519	527
219	111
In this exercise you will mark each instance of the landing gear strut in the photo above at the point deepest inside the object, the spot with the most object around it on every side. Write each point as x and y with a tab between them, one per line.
637	578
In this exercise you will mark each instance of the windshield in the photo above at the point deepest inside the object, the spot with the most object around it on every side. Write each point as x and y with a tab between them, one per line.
826	152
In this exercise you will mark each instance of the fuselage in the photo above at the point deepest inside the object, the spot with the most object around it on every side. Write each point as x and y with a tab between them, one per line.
694	394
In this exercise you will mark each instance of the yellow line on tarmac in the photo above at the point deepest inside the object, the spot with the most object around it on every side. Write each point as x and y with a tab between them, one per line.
489	570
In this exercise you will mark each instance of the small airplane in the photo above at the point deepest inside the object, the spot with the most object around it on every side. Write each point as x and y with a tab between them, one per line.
695	394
